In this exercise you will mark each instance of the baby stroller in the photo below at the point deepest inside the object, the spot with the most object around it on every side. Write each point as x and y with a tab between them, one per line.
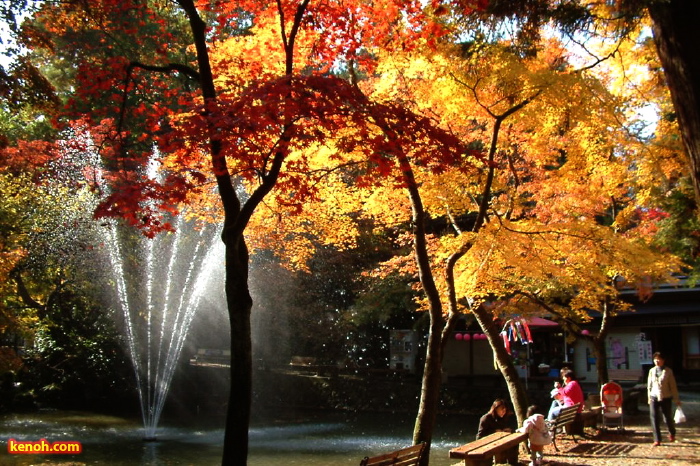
611	400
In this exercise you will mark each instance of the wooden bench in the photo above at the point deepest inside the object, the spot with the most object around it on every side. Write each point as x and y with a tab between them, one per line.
502	446
410	456
564	421
302	361
586	418
589	418
624	375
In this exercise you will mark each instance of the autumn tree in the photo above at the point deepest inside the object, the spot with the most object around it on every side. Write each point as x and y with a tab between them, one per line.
662	182
50	294
605	202
15	196
494	97
614	22
544	223
25	200
549	177
148	87
240	98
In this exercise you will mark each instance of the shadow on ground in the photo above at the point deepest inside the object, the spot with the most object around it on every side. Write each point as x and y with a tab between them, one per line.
632	446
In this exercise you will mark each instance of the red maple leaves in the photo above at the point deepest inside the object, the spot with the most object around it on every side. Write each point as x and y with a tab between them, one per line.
142	104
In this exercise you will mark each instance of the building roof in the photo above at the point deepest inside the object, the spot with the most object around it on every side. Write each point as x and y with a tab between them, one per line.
668	306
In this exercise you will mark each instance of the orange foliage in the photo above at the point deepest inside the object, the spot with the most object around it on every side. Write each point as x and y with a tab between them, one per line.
27	157
137	89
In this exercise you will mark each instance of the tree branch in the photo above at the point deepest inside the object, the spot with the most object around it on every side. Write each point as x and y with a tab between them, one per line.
24	294
169	68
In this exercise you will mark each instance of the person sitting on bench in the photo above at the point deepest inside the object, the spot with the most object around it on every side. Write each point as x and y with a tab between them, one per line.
496	420
570	394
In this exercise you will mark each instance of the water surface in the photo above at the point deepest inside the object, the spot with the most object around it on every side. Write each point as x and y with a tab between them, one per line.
316	439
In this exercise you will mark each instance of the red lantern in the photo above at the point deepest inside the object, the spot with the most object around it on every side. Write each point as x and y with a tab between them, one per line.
458	336
585	332
467	337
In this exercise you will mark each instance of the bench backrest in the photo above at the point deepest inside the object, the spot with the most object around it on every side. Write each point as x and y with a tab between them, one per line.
566	415
410	456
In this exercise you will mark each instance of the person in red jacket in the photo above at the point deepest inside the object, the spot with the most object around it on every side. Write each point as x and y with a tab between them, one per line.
569	394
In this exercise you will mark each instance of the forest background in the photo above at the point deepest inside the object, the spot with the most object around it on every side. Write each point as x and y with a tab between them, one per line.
395	164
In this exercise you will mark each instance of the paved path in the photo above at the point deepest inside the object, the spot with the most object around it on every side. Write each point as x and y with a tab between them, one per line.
633	447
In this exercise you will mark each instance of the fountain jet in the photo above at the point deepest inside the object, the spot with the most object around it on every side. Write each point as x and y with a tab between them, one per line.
159	283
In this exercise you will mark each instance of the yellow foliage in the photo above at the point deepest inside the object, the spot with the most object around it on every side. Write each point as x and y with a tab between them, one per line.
239	60
577	261
329	218
564	158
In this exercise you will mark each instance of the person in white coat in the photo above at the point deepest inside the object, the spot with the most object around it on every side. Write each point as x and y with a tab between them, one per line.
662	392
538	434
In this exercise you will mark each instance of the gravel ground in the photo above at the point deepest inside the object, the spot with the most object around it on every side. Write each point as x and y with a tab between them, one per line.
633	446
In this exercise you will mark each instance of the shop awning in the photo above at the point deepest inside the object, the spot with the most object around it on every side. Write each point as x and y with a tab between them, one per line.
540	322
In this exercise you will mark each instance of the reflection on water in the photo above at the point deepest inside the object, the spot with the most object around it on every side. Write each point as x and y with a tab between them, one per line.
321	439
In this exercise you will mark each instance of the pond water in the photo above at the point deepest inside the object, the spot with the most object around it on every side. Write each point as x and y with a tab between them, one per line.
312	439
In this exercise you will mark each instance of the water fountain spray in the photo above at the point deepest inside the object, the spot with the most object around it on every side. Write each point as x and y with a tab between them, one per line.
159	290
159	282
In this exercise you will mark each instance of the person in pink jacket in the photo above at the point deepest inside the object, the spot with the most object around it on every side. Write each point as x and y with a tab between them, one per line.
570	394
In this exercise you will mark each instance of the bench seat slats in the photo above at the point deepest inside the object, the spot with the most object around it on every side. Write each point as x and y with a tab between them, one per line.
405	457
460	452
565	418
394	462
486	451
502	446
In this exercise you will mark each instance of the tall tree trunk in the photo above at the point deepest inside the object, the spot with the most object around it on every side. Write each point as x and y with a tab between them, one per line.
601	359
236	218
239	304
432	373
677	42
238	298
599	350
430	389
518	395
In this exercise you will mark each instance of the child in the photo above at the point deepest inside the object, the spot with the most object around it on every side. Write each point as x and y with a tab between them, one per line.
538	434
